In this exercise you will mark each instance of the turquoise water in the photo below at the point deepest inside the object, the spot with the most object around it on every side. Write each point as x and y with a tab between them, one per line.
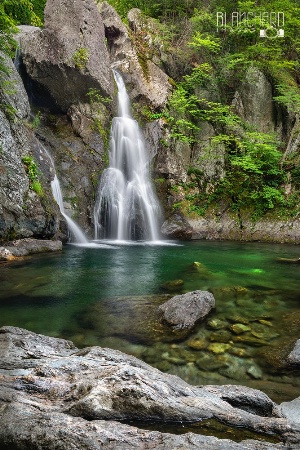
109	297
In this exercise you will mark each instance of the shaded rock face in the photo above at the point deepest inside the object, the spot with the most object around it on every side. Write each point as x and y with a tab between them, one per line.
183	311
69	55
23	213
65	395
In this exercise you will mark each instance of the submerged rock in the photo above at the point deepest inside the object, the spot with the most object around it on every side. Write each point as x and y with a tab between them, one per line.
172	285
54	395
183	311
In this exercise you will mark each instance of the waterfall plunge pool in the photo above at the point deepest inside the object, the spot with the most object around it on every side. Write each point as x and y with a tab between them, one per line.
106	293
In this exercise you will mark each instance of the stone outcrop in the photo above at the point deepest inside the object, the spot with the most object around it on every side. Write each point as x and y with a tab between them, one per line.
231	227
131	55
177	227
73	398
23	212
253	101
183	311
69	55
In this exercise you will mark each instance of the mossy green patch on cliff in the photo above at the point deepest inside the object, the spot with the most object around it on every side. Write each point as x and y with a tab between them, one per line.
80	58
32	171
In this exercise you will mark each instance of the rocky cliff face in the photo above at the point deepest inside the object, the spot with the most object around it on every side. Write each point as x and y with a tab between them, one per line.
24	212
67	73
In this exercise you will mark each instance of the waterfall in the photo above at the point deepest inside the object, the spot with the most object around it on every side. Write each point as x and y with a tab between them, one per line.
73	228
126	206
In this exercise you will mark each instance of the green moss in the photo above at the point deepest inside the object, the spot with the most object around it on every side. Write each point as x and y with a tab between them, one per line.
81	57
31	169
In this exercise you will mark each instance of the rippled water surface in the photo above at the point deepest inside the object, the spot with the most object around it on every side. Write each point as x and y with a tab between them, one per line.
108	295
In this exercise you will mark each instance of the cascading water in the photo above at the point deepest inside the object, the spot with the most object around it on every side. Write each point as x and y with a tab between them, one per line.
76	233
74	229
126	206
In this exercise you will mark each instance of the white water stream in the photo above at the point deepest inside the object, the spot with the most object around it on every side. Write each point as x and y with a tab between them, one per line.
126	205
77	235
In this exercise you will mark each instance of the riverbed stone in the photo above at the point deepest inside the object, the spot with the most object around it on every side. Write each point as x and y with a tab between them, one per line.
75	398
239	328
294	357
183	311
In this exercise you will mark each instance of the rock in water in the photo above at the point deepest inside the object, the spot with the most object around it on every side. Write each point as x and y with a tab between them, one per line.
183	311
177	227
294	357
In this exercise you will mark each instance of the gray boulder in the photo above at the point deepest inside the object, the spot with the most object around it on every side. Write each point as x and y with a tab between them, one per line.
291	410
294	356
69	55
183	311
24	247
53	395
177	227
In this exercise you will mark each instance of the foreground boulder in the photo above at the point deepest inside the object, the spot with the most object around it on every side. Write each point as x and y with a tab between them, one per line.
183	311
53	395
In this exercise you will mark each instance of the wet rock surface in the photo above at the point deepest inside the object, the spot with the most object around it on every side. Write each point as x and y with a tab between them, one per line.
72	398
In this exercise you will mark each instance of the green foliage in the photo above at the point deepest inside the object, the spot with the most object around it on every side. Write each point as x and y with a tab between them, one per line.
36	121
32	173
22	12
95	96
81	57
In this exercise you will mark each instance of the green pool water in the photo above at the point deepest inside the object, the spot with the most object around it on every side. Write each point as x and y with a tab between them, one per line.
109	297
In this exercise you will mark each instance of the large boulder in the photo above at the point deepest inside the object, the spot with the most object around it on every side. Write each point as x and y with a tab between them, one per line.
147	82
177	227
53	395
183	311
68	56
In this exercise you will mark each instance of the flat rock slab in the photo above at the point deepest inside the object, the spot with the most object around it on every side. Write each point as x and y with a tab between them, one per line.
53	395
183	311
24	247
